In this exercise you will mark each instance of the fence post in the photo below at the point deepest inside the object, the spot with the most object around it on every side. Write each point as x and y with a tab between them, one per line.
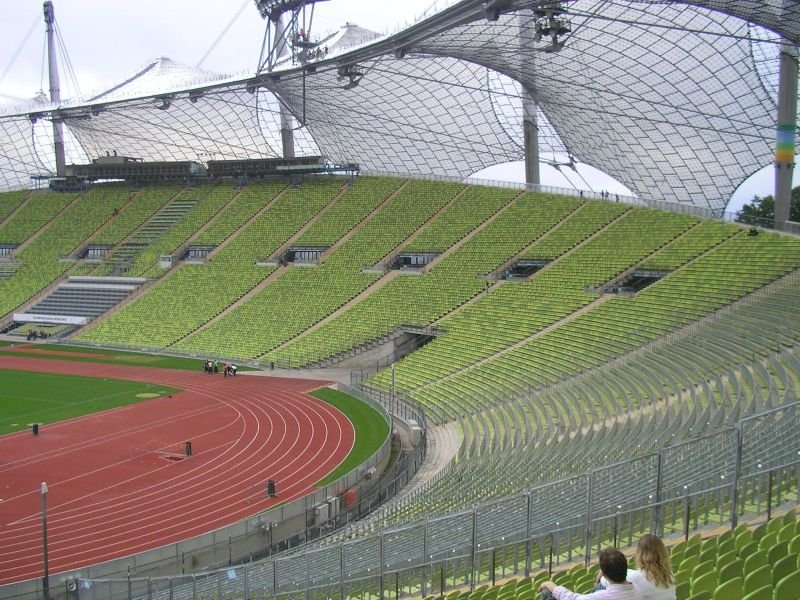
686	512
658	515
274	579
528	535
341	571
589	508
380	568
424	559
736	468
770	478
474	550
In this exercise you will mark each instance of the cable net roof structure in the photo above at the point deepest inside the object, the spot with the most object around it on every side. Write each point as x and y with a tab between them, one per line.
676	100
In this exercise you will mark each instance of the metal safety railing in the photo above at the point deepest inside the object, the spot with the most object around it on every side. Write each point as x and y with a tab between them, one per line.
718	479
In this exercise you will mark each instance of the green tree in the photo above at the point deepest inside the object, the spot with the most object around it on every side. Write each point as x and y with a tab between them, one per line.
761	211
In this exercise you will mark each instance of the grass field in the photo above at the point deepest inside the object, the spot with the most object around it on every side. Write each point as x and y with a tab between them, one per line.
370	427
27	397
100	355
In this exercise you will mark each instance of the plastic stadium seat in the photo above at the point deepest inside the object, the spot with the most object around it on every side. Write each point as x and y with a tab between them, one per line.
743	538
762	593
777	551
726	545
726	558
704	595
760	531
783	567
731	570
768	540
794	545
775	525
758	578
682	590
708	554
690	562
787	532
788	588
694	540
749	549
754	561
706	582
730	590
703	568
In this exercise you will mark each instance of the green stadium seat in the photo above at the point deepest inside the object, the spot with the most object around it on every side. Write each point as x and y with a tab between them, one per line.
794	545
731	570
682	590
788	587
742	539
757	578
768	540
787	532
705	582
777	551
783	567
703	568
762	593
729	590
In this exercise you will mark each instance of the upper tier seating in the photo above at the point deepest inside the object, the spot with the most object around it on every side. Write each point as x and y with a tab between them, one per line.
59	238
561	382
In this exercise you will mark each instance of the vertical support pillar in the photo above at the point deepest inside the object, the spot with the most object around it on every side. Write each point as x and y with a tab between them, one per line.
46	576
424	587
786	133
55	87
381	595
474	550
658	515
279	50
736	472
528	540
530	130
589	509
341	571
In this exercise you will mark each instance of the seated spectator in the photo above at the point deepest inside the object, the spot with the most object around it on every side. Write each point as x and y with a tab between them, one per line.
654	576
614	567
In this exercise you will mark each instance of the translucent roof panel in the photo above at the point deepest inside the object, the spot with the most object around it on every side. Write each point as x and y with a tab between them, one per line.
415	115
674	99
666	98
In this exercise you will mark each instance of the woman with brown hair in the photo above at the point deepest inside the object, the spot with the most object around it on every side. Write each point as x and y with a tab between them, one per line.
654	575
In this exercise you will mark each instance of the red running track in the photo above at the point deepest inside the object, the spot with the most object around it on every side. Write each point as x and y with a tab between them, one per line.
114	487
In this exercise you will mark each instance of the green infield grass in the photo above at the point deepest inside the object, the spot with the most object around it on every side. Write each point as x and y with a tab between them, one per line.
27	397
111	357
370	427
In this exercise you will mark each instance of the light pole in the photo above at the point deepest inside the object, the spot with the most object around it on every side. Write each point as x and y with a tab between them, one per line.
46	578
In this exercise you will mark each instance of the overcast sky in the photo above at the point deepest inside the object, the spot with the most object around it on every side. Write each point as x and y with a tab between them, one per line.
106	40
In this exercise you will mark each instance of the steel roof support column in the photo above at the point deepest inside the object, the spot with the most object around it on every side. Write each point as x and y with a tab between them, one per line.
55	88
530	129
279	49
786	133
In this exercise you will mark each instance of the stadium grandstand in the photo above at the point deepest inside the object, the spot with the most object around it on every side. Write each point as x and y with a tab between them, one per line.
567	369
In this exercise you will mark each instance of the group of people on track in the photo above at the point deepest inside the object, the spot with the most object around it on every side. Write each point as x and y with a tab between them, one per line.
212	366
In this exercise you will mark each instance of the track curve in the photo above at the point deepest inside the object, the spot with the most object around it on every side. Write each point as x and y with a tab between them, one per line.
117	482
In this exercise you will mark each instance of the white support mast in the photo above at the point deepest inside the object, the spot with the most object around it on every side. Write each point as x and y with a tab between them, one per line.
55	89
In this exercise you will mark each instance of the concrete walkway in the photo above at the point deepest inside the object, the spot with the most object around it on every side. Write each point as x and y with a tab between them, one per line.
337	375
